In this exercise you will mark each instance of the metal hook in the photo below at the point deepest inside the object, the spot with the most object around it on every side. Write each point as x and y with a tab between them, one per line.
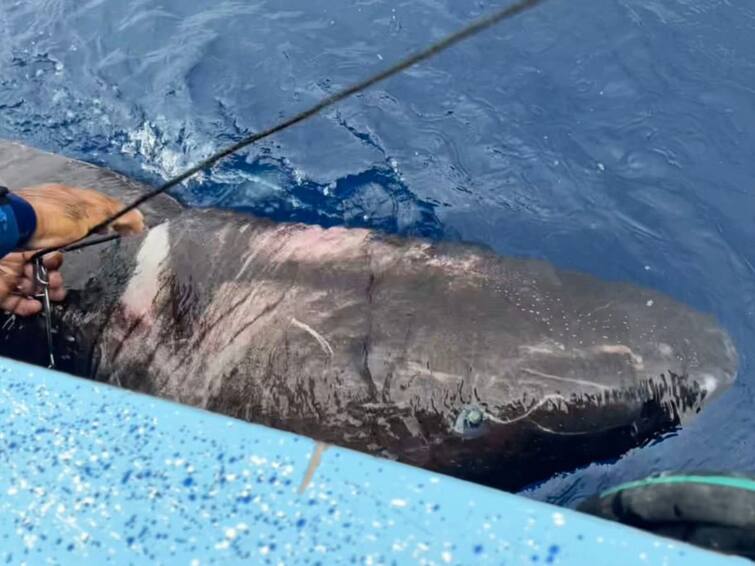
41	278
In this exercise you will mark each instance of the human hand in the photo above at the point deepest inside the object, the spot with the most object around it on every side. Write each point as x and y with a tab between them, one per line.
17	282
66	214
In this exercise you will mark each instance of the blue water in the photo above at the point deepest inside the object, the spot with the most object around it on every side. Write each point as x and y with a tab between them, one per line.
616	137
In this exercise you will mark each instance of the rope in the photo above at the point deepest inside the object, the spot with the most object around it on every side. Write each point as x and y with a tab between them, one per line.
92	242
473	29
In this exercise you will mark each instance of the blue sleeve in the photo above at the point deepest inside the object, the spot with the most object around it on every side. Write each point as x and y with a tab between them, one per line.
17	223
8	230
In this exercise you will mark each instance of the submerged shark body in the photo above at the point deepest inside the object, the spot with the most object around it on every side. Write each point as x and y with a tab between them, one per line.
441	355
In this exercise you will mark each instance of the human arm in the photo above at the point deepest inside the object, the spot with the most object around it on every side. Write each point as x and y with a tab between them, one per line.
43	216
56	215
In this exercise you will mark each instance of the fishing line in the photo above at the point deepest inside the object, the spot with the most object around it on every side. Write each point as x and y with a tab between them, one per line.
473	29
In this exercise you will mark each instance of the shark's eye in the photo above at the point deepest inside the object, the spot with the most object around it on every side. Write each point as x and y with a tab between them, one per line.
469	421
474	418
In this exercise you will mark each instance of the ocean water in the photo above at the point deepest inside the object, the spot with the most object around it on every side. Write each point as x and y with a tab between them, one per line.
616	137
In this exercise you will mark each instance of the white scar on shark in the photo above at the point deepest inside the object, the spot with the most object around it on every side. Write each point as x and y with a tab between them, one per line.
316	335
566	379
143	286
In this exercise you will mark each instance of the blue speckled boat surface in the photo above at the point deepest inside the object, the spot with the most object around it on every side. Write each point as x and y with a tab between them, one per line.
95	475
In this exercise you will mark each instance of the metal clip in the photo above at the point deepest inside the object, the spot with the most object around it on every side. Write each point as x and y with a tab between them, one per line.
41	278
